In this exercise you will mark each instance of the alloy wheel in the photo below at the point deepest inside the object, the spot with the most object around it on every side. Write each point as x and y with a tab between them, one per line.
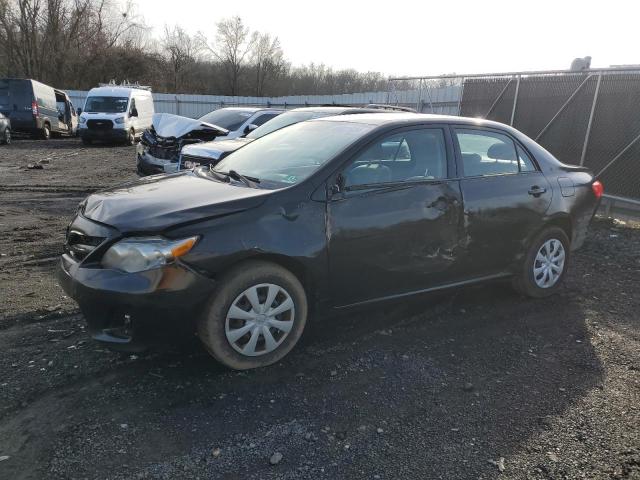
259	319
7	136
549	263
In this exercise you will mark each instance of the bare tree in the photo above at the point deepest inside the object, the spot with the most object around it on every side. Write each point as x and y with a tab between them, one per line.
182	52
267	59
233	44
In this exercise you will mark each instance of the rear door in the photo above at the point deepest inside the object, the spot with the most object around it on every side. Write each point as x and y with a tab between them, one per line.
505	198
395	223
15	102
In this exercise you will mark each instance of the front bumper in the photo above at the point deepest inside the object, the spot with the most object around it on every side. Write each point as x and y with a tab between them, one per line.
147	164
132	310
119	134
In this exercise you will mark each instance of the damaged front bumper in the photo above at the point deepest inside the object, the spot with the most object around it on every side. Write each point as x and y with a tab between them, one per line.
131	310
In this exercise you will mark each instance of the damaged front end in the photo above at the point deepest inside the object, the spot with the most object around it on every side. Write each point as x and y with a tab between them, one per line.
160	146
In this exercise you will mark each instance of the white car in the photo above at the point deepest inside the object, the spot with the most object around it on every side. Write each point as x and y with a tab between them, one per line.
115	112
160	146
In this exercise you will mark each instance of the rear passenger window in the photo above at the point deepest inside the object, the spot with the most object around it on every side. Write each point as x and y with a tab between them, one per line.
487	153
264	118
524	161
413	155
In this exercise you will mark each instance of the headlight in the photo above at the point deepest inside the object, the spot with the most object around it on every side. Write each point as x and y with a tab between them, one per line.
82	120
119	120
139	253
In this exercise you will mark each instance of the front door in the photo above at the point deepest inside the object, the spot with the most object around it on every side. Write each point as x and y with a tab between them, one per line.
505	198
394	225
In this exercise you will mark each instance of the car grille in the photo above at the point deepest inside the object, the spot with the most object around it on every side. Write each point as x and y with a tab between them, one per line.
79	245
99	124
164	153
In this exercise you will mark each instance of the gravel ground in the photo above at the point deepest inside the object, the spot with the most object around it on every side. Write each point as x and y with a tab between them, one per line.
475	383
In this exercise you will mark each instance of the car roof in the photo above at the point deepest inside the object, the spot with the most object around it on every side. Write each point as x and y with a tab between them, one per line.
248	109
117	91
400	118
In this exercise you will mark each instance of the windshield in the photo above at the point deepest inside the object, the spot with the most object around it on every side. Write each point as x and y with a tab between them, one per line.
228	119
292	154
283	120
106	104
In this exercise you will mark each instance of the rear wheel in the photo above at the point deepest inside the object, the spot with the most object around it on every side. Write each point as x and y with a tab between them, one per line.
545	264
6	137
255	317
45	133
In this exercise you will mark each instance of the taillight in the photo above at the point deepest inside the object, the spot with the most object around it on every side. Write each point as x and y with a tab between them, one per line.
598	188
34	108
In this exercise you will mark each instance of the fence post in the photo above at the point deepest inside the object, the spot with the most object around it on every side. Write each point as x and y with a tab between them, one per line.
515	101
460	97
593	109
177	105
418	102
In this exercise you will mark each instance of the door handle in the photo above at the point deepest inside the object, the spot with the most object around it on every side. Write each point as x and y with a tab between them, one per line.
536	191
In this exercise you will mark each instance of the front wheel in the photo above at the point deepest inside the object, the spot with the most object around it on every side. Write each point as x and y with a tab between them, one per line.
131	138
545	264
255	317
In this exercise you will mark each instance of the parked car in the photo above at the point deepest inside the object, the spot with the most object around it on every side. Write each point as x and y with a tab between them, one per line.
324	215
160	148
5	130
37	109
116	113
209	153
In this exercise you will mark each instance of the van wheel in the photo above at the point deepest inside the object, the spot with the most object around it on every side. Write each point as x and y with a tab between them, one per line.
255	317
545	265
45	133
131	137
6	137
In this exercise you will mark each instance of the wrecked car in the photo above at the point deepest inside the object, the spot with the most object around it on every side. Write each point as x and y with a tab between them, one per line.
233	121
162	142
324	215
209	153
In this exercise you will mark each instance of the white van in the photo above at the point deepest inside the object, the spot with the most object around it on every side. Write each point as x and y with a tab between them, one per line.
116	112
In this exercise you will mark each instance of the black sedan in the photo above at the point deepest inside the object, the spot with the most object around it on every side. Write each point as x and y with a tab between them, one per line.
5	130
323	215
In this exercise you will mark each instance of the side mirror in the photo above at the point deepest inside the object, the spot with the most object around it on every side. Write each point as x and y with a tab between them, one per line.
338	186
134	113
250	128
79	110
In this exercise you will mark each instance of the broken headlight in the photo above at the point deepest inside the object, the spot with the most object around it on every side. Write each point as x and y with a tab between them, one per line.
137	254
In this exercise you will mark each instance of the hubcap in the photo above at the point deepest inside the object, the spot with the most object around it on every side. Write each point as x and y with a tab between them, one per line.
549	263
259	319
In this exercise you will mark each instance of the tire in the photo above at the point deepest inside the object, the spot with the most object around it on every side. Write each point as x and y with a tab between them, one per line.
6	136
219	320
86	141
131	138
45	133
533	281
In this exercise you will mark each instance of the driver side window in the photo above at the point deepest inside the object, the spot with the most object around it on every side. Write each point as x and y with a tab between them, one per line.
412	155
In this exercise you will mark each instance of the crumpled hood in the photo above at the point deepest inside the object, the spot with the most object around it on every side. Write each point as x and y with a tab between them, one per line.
168	125
214	149
158	202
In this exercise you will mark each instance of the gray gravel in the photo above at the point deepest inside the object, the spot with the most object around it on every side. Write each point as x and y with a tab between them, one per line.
468	384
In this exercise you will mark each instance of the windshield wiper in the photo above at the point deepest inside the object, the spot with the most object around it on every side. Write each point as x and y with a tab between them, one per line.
247	180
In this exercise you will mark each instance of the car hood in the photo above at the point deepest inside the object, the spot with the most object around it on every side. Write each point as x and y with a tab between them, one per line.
168	125
159	202
213	150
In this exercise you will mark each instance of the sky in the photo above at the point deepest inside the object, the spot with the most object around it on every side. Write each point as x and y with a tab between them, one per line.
402	37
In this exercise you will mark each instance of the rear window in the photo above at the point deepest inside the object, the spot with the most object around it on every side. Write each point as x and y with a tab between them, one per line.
227	119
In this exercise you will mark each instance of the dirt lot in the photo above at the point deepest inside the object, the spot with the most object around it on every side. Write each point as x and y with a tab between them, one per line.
475	383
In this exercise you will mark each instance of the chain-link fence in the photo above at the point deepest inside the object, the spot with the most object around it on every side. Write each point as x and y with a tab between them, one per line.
589	118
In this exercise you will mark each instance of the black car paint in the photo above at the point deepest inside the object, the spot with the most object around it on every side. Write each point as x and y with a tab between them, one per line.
348	247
